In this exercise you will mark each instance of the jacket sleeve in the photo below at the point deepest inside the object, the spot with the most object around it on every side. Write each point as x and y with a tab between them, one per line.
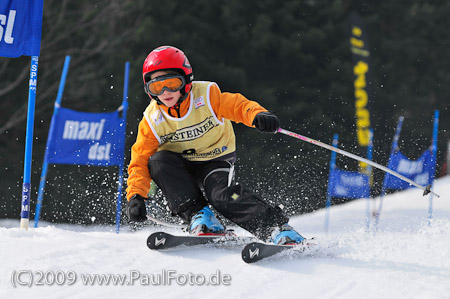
138	174
234	106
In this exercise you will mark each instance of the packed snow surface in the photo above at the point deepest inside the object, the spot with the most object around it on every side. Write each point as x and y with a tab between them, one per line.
406	256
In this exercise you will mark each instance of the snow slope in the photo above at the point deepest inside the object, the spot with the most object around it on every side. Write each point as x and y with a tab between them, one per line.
405	258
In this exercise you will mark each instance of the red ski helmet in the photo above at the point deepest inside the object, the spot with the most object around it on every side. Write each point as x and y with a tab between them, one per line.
168	58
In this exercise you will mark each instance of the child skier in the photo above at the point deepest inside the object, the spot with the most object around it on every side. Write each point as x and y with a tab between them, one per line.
186	145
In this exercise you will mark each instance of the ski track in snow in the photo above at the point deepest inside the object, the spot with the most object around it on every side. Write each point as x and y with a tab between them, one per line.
404	258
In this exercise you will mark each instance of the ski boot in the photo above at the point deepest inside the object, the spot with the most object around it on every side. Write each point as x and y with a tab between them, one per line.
286	235
205	223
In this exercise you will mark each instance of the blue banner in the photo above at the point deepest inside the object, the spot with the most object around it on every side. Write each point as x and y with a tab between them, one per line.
348	184
86	138
420	171
20	27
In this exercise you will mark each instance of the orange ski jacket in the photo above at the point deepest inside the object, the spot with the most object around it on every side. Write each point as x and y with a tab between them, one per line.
232	106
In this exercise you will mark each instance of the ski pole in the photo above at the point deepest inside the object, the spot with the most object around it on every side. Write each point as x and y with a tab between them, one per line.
426	189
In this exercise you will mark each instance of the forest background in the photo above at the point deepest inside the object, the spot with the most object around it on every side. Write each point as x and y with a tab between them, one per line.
291	56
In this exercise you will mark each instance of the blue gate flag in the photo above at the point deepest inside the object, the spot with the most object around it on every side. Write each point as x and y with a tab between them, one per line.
85	138
349	184
20	27
420	171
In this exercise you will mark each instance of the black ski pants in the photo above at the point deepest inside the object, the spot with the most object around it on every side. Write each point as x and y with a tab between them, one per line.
182	181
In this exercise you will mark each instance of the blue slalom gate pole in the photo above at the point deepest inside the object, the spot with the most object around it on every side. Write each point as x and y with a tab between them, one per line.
393	149
124	123
26	186
330	183
44	171
434	152
369	174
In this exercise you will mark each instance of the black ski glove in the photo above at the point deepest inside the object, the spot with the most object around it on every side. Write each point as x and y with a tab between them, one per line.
266	122
136	208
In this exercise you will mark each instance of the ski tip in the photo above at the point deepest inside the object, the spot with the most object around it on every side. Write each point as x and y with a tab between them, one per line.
156	240
250	253
257	251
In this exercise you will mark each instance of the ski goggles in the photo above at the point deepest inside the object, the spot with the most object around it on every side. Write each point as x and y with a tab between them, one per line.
171	83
